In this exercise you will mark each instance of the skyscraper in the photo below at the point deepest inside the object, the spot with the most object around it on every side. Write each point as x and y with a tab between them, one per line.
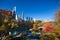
14	12
31	18
27	18
22	15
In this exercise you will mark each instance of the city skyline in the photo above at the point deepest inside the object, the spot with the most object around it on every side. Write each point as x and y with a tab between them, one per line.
38	9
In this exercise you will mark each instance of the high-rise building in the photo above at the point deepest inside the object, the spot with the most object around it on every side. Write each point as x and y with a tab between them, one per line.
22	15
31	18
27	18
14	9
14	12
14	16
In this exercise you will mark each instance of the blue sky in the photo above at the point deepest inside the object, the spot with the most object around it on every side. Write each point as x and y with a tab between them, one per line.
38	9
